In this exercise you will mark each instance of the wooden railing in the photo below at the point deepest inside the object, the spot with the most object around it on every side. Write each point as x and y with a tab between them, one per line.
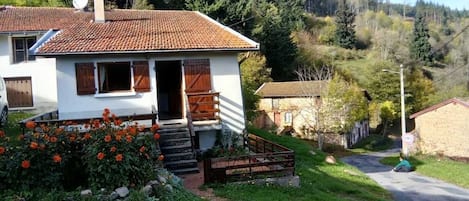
52	118
267	160
204	106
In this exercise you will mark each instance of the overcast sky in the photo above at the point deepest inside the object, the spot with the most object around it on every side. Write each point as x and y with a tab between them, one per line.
453	4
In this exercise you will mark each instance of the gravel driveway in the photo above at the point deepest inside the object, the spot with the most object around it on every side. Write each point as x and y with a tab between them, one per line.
405	186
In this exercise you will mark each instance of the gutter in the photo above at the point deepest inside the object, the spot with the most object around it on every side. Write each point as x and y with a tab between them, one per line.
46	37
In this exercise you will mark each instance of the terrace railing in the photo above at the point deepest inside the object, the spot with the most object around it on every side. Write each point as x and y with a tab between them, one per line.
266	160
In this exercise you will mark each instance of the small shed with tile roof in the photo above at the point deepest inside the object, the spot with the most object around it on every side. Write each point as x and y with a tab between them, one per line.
442	129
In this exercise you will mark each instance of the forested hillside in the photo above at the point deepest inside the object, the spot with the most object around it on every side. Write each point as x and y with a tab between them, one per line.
353	39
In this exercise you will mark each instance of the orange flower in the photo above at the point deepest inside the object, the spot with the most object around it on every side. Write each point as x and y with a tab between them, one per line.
2	150
113	116
2	134
161	157
25	164
100	156
57	158
53	139
133	130
87	136
107	138
21	137
106	119
142	149
45	128
59	130
118	138
96	123
154	127
30	124
107	111
117	122
119	157
113	149
33	145
128	138
156	136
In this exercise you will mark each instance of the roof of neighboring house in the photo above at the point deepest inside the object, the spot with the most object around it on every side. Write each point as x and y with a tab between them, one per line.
292	89
462	101
125	31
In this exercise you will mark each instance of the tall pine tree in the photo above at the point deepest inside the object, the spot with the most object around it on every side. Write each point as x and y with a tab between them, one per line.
345	31
420	48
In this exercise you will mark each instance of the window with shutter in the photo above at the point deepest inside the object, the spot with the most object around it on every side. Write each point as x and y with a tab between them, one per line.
141	76
85	78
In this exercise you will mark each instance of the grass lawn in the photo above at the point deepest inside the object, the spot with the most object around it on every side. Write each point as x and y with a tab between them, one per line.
12	129
319	180
437	167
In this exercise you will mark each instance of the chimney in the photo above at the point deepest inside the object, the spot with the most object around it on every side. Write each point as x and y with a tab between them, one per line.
99	11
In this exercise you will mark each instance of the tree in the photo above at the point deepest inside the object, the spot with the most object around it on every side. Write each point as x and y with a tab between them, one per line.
420	48
276	44
387	113
345	29
142	5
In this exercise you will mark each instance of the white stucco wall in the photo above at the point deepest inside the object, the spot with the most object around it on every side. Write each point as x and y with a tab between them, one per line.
225	79
41	71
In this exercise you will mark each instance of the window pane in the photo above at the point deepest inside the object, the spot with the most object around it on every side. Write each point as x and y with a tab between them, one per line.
19	43
31	42
19	56
114	77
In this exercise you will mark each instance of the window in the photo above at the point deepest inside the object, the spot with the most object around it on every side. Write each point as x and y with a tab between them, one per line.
275	103
288	117
112	77
20	49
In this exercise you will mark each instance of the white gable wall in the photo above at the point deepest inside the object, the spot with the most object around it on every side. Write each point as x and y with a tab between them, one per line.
41	71
225	79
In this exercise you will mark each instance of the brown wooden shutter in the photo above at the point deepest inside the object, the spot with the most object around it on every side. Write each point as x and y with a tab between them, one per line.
141	76
197	75
85	78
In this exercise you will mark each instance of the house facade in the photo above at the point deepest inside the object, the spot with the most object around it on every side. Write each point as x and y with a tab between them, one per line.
30	80
442	129
292	107
180	66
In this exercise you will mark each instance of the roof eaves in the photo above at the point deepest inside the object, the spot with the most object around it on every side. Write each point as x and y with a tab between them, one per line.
51	54
436	106
39	43
226	28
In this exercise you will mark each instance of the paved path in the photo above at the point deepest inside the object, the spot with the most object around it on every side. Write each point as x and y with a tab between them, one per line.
405	186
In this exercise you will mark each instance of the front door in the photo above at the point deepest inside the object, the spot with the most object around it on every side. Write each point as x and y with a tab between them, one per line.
198	81
168	81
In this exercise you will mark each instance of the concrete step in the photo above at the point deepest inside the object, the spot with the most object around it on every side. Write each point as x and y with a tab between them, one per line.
186	171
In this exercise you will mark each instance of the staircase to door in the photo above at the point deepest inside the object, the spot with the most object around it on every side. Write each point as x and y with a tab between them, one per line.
176	145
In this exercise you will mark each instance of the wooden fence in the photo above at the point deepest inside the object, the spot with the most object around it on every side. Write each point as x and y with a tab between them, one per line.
266	160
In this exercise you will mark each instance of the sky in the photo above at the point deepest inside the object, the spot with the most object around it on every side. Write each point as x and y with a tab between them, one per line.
453	4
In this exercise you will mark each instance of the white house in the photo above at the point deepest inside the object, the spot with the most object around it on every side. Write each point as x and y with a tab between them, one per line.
172	63
30	80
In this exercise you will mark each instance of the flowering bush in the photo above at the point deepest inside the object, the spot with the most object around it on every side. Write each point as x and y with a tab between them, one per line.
108	152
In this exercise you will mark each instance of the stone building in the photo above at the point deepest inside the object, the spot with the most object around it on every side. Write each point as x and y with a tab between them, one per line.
442	129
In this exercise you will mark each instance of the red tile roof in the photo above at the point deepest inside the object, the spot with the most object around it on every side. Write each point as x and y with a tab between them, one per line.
124	31
464	102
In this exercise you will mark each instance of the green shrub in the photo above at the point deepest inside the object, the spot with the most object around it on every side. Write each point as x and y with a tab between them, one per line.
109	153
